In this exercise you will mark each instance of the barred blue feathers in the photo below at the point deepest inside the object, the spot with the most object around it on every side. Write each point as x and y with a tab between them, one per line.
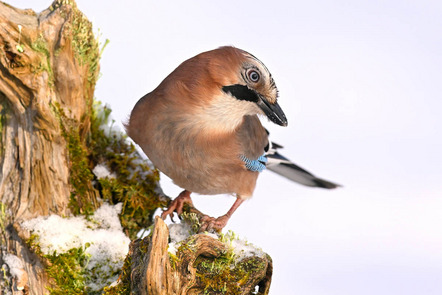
257	165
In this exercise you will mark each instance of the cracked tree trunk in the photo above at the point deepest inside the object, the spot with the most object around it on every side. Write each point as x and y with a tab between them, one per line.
38	70
40	74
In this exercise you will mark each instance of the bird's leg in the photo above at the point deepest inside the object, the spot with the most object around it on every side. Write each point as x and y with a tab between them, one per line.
177	204
209	223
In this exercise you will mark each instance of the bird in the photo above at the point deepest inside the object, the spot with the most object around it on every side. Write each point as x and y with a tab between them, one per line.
201	127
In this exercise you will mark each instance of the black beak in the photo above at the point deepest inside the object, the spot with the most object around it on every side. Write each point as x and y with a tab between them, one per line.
273	111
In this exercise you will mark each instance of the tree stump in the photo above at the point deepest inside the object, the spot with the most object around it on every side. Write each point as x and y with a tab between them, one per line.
203	265
48	64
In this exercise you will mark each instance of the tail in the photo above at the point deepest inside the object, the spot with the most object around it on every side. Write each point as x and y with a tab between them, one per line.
284	167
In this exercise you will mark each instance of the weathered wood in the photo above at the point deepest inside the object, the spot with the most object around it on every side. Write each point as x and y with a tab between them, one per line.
152	270
39	70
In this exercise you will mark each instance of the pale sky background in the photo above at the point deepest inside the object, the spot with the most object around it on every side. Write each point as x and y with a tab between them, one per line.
361	85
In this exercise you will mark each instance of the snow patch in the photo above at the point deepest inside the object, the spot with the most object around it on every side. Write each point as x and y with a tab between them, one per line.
16	269
241	248
108	123
244	249
103	231
14	263
178	232
101	171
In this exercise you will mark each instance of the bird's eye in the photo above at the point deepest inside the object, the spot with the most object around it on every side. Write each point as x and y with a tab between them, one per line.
253	76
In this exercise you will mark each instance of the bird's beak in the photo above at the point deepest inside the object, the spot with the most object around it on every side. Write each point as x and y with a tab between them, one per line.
272	110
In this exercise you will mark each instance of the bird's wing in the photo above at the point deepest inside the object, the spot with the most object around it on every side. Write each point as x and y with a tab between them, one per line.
283	166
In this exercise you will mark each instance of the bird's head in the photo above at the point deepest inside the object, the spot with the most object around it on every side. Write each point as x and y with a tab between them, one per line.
215	89
247	80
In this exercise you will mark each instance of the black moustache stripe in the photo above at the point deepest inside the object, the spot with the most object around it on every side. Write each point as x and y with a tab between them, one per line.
241	92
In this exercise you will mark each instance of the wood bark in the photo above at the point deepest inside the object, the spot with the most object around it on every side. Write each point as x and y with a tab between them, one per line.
34	167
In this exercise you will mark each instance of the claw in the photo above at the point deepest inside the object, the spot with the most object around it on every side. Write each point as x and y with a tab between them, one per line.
177	205
212	224
207	223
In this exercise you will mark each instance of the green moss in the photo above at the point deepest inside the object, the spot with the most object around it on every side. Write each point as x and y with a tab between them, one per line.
34	246
192	220
4	282
85	45
123	288
174	260
68	271
41	45
3	223
80	175
135	181
225	274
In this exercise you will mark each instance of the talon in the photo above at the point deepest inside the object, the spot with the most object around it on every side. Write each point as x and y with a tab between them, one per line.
179	208
177	205
210	227
164	214
212	224
202	228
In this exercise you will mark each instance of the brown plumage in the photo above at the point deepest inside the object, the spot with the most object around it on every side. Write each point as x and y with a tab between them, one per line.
201	121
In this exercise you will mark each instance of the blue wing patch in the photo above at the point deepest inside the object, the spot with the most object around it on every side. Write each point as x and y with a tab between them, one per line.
257	165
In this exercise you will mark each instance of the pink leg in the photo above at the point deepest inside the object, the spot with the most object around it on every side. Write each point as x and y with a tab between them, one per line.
177	204
217	224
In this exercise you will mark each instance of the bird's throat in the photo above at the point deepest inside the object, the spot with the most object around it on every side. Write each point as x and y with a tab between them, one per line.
223	114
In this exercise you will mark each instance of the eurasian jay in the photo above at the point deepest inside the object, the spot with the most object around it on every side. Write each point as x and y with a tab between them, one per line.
200	127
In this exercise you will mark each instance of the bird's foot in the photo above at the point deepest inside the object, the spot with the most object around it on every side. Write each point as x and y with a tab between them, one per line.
211	224
177	205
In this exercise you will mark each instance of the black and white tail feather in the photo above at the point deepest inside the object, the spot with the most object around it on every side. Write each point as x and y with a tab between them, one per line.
284	167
